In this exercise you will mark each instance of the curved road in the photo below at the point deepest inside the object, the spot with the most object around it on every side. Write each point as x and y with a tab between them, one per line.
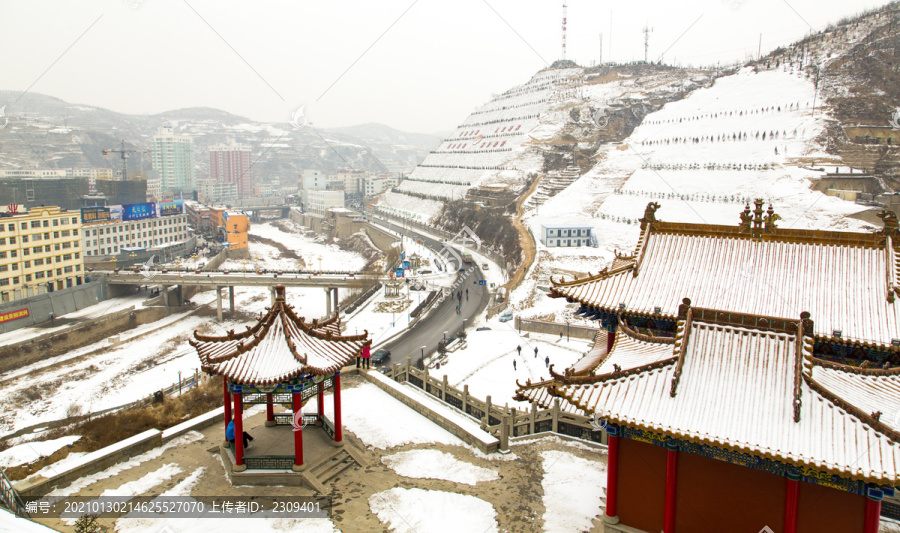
442	317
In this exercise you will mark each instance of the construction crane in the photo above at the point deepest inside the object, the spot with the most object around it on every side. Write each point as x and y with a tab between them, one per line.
124	154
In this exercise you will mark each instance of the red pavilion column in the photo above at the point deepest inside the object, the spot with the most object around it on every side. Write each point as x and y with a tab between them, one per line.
873	510
239	465
612	476
671	481
297	406
791	501
320	402
227	401
270	411
338	432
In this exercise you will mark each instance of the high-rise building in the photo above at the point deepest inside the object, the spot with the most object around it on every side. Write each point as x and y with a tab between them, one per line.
230	163
173	160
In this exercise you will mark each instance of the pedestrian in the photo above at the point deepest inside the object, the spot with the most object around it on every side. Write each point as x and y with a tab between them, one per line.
547	361
535	352
519	349
560	335
514	364
366	356
467	294
457	309
229	436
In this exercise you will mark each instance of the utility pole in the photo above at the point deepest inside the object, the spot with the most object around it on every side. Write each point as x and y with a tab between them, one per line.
646	31
759	51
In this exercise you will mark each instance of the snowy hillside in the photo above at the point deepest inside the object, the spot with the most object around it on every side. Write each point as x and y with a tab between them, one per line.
505	140
750	135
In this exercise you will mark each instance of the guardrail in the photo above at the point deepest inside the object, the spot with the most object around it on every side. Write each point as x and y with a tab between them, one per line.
9	497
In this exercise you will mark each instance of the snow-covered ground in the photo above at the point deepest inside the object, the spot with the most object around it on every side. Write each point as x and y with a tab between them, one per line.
434	464
486	364
32	451
574	491
432	511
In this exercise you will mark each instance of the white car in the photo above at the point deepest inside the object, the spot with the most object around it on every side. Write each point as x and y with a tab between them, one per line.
506	316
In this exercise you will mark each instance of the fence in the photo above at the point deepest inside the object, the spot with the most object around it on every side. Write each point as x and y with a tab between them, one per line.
9	497
500	421
540	326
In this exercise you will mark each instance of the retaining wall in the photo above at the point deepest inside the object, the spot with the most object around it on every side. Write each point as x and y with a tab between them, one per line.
57	302
555	328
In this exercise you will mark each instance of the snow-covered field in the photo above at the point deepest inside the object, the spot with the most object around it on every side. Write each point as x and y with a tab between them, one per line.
574	491
434	464
432	511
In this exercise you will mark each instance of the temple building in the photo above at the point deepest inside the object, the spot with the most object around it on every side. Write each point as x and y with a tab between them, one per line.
750	380
282	359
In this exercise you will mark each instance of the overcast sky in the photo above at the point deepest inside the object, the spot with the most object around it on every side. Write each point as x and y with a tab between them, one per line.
414	65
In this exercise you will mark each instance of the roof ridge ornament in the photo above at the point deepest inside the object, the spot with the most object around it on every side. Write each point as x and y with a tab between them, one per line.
891	224
770	219
649	216
746	219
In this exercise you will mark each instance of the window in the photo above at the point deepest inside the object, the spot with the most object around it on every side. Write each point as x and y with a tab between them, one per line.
77	268
25	251
55	234
36	237
46	223
59	272
68	269
38	262
67	245
12	227
13	253
77	255
67	257
24	238
46	236
2	241
47	248
56	222
34	224
75	232
57	258
26	264
56	246
4	281
4	268
15	280
64	233
74	220
2	255
27	278
12	240
38	275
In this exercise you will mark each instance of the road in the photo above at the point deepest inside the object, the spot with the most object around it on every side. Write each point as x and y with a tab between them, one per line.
443	317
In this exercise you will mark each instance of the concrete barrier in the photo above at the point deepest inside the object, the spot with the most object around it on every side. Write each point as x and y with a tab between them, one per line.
198	422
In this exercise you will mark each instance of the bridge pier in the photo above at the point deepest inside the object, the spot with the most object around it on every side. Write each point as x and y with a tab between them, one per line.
331	300
336	308
218	303
272	295
231	299
165	295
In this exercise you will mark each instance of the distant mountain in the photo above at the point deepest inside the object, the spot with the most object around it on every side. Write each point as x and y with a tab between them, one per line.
46	132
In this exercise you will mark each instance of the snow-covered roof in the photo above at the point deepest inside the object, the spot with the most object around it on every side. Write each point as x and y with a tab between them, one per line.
566	226
280	347
749	384
848	280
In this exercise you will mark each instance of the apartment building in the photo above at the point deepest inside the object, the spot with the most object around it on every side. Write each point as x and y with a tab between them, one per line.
40	251
110	237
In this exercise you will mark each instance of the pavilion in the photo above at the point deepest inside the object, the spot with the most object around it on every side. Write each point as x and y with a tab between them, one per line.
750	379
281	359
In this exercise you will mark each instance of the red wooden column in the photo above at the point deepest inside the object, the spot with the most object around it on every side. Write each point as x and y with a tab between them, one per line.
338	433
297	406
227	401
239	465
270	411
612	476
671	481
791	501
873	510
320	402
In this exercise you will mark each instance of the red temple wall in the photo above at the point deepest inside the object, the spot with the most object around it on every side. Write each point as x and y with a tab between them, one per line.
642	484
714	496
826	509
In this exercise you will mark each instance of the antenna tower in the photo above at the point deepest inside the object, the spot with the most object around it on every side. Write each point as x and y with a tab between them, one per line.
565	9
646	31
600	62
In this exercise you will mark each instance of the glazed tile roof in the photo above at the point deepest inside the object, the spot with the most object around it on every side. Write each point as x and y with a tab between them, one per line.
279	347
848	280
754	389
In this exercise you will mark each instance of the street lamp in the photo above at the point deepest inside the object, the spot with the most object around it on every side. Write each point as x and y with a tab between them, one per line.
320	264
423	352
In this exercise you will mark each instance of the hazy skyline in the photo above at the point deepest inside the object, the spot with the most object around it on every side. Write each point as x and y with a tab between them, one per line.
415	65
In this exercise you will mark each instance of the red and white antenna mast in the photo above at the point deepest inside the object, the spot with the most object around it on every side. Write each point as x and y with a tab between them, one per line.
565	8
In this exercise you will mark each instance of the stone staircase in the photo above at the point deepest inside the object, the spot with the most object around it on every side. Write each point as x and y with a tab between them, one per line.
333	465
861	156
552	184
598	520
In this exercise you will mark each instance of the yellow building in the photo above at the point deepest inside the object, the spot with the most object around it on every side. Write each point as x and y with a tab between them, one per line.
40	251
233	225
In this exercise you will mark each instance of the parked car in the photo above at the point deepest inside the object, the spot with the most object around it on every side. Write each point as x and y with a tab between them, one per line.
506	316
380	356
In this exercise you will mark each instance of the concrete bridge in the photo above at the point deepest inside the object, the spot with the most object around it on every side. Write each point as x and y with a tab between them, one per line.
330	282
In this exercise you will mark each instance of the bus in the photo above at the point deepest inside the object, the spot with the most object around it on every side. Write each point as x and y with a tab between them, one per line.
467	257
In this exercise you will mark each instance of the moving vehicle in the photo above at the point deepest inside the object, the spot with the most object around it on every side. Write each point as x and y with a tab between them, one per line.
380	356
467	257
506	316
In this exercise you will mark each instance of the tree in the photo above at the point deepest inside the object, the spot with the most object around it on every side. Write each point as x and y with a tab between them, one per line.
87	524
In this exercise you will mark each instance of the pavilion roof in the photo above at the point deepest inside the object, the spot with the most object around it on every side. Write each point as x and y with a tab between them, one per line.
848	279
744	383
280	347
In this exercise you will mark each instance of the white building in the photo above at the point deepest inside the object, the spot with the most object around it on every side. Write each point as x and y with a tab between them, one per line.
313	180
173	160
354	181
212	191
379	184
108	238
320	201
565	235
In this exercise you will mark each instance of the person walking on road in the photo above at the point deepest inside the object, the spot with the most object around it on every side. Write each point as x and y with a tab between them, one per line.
467	294
547	361
457	308
560	335
519	348
514	364
535	352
